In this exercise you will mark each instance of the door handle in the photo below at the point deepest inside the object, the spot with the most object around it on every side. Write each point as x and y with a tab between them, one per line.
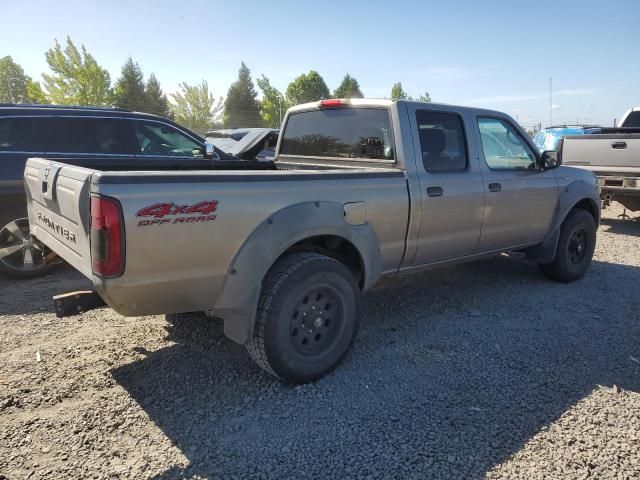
495	187
435	191
619	145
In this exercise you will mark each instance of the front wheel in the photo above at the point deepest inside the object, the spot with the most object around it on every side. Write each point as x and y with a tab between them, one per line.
307	317
575	248
20	255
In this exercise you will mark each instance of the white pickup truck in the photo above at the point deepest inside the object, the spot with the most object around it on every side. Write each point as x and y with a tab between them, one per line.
613	155
360	190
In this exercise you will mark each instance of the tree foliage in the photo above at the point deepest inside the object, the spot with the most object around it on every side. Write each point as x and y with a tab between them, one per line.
35	94
348	88
241	107
308	87
76	77
424	97
195	107
129	91
13	82
155	100
397	93
273	105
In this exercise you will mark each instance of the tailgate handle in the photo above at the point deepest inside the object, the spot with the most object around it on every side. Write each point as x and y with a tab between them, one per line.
619	145
48	179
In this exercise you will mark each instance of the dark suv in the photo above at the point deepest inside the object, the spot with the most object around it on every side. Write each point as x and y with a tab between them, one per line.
86	136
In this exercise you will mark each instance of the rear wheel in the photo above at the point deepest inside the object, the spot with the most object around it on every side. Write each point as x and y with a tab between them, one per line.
307	317
20	255
575	248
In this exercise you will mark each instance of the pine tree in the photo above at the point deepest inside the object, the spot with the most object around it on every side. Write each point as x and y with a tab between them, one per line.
157	102
241	107
349	88
129	91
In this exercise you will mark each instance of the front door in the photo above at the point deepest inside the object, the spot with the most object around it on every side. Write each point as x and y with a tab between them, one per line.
452	191
520	197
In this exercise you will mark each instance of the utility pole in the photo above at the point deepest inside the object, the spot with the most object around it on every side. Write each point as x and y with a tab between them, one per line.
550	101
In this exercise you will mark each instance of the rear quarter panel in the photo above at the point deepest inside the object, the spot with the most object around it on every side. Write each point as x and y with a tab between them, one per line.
178	267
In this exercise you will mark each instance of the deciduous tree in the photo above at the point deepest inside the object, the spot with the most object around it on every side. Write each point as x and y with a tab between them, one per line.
309	87
76	78
397	93
195	107
13	82
273	105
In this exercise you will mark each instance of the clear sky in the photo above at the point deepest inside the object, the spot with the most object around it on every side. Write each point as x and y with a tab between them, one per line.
497	54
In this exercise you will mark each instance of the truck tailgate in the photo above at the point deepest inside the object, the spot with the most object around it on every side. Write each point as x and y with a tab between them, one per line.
58	200
619	150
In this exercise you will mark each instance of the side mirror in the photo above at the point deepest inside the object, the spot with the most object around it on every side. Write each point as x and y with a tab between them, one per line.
210	151
549	160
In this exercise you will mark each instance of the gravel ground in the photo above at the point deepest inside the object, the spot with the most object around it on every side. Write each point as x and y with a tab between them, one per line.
482	370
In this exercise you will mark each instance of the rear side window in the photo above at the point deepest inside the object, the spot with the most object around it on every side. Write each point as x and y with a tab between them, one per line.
24	134
442	141
107	136
358	133
632	120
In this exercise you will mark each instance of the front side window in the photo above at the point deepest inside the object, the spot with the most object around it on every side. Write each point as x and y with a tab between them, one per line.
359	133
503	146
442	141
22	134
160	139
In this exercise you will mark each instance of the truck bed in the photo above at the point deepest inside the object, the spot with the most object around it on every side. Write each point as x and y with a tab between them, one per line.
176	261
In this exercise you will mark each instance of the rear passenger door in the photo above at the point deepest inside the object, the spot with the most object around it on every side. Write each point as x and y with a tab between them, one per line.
452	191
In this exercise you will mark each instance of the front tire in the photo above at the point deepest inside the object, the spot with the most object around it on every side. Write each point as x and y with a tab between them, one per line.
307	317
575	248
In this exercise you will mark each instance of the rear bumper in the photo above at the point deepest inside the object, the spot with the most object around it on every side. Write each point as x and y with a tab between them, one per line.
614	184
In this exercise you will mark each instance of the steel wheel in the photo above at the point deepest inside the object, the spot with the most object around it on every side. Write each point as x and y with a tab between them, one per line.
315	321
20	255
577	246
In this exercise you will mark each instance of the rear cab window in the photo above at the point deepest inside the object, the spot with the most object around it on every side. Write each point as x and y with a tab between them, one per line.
348	133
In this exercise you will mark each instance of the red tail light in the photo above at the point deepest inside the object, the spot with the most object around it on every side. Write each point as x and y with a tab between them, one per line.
107	237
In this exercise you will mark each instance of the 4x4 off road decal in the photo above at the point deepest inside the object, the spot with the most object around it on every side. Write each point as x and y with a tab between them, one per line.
172	213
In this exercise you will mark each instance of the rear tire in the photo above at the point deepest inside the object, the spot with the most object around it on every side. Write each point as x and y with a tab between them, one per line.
575	248
307	317
20	256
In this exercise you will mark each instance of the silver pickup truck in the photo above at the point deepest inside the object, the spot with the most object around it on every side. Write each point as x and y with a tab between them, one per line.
613	155
360	190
